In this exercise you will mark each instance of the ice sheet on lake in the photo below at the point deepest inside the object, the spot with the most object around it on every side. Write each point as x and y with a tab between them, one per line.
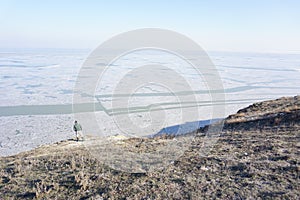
38	77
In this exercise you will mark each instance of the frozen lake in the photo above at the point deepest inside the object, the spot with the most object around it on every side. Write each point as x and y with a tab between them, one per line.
37	90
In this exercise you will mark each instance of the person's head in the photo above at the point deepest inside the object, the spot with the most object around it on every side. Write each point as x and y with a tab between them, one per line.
75	122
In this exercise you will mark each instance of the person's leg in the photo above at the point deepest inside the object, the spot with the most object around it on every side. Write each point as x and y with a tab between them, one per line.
81	135
77	135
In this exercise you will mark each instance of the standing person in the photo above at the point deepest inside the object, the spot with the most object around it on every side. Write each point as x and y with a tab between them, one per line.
78	130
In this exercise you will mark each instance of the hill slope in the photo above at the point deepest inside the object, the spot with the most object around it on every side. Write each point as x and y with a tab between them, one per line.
257	156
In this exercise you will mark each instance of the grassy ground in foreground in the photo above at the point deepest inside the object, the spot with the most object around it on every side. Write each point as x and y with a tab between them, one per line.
241	165
257	156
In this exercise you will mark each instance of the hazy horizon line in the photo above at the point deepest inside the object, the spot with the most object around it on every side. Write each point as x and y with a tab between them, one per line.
92	49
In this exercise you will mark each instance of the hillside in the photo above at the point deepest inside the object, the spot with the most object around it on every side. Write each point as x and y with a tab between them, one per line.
257	156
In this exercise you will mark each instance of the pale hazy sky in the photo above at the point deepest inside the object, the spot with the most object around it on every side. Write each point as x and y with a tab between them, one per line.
230	25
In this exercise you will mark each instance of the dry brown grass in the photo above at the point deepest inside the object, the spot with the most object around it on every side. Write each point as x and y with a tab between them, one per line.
242	165
258	163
